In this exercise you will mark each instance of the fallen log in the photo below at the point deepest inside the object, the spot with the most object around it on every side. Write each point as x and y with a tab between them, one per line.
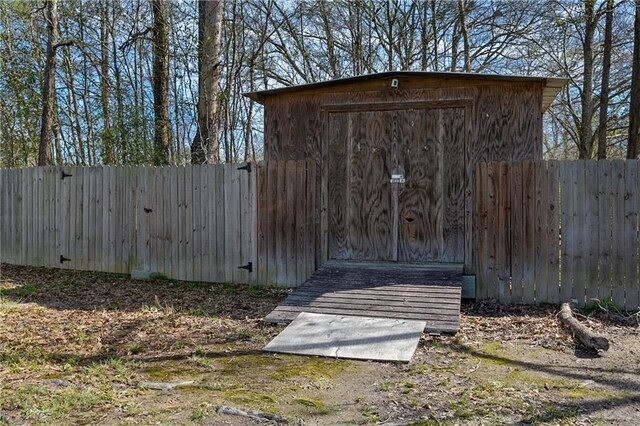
581	332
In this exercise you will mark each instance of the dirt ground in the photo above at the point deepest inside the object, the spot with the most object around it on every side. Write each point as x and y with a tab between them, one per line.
89	348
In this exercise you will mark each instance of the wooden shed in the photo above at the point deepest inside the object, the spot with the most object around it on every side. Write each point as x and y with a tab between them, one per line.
396	154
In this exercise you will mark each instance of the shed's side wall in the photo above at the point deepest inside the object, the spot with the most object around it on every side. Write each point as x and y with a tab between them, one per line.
505	124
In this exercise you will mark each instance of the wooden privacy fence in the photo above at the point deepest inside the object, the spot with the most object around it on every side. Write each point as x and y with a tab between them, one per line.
555	231
249	223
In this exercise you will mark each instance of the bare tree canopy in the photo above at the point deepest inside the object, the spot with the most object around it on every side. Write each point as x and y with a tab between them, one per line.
144	82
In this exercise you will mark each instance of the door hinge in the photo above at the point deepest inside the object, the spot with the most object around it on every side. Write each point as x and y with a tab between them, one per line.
248	267
64	259
64	175
248	169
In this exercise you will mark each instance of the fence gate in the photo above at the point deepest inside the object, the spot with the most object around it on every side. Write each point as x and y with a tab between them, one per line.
195	223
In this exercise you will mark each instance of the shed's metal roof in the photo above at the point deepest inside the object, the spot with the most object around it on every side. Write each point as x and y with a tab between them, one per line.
551	85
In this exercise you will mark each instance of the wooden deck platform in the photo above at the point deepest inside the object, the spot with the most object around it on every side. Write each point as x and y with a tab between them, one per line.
387	290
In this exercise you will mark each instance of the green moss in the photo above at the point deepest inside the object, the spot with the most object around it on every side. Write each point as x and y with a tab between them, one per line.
172	371
240	363
318	407
310	368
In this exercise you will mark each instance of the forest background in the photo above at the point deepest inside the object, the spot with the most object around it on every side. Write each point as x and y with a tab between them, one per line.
119	81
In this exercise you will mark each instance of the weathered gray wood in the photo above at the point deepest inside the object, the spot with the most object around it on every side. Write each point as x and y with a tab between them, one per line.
182	223
632	295
244	226
220	223
174	212
167	236
541	246
39	219
566	229
630	201
553	233
85	262
605	199
481	264
99	218
280	225
618	246
503	252
491	198
27	216
529	221
96	218
590	231
231	258
188	227
517	234
198	195
106	215
3	215
311	242
203	230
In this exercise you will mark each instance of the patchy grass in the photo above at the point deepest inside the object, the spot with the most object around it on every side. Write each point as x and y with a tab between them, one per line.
75	346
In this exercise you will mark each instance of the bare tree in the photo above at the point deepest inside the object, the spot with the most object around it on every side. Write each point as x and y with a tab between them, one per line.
162	151
45	150
205	145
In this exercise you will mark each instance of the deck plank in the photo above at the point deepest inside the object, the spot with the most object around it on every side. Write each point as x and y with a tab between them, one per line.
399	291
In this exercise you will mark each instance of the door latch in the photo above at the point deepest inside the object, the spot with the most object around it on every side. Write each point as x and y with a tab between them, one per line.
397	179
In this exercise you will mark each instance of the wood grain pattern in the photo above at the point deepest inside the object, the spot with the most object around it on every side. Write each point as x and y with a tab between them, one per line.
453	172
420	200
338	128
369	226
503	122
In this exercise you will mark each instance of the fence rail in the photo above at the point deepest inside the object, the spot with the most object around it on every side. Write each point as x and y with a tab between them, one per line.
201	223
555	231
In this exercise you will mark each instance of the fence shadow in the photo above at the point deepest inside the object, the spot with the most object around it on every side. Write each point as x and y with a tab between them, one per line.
90	291
610	378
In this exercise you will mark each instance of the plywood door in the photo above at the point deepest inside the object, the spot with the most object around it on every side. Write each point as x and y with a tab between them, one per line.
431	202
372	219
360	201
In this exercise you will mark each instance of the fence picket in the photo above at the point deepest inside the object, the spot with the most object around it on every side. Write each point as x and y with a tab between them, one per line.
529	223
541	246
553	233
200	223
591	237
630	230
578	234
566	280
618	220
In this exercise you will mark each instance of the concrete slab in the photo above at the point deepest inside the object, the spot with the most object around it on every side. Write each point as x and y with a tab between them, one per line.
342	336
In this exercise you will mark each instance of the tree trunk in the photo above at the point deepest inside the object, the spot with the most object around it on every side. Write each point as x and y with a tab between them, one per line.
465	36
205	147
586	97
604	91
634	106
45	151
107	137
434	30
162	154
